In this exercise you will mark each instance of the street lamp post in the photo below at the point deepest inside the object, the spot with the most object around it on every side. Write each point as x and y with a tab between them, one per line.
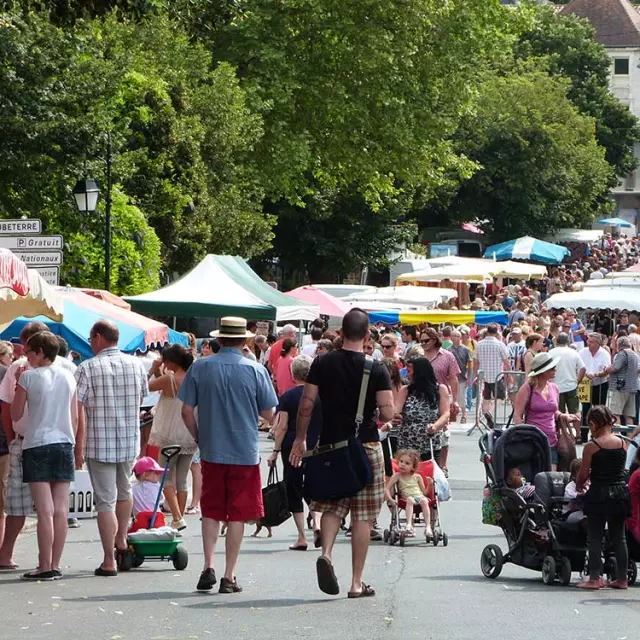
86	194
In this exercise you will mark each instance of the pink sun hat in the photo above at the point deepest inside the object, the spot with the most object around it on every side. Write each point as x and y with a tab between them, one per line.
146	464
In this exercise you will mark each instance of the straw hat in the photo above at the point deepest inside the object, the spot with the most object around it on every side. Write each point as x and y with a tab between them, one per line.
232	327
541	363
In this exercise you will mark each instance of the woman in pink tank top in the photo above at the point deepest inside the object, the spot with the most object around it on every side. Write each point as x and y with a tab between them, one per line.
537	402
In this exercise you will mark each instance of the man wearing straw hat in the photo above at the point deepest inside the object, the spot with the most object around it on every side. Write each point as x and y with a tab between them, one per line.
231	393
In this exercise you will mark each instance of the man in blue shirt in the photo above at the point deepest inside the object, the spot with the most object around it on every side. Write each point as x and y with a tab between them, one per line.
230	392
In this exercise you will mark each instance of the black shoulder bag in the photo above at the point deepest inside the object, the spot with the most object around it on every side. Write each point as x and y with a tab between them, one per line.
340	470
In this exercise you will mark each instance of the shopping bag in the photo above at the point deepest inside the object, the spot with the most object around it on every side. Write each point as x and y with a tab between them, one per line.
274	499
441	482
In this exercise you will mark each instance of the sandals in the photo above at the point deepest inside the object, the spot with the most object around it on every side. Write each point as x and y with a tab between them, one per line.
192	510
366	592
410	533
327	581
105	573
298	547
463	420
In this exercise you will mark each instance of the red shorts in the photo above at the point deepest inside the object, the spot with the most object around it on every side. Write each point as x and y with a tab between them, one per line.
231	492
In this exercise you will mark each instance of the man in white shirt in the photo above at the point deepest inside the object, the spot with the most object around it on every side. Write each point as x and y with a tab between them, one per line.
310	349
569	373
19	503
596	360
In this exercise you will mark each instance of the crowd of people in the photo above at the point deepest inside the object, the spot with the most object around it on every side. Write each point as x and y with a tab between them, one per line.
213	399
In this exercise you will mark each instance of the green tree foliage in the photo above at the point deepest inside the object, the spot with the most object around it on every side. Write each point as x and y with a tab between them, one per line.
336	233
135	249
181	132
358	94
539	165
566	47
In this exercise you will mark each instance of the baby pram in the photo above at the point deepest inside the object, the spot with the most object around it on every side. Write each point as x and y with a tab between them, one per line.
538	536
396	532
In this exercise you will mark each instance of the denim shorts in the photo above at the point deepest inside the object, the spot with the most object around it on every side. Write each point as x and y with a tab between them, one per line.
554	455
48	463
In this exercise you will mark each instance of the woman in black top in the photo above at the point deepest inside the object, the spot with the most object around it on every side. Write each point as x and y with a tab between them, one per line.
284	435
607	500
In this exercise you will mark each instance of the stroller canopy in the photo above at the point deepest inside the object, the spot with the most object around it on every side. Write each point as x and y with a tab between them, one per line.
525	447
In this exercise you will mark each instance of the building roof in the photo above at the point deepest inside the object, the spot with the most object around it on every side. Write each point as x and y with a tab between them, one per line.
616	22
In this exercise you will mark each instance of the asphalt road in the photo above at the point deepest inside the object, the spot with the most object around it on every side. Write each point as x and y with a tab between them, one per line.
422	591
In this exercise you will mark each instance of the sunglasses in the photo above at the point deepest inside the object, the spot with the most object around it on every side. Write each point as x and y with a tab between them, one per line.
387	346
427	341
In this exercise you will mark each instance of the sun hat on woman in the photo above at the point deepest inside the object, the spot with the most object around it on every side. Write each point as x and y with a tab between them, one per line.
542	363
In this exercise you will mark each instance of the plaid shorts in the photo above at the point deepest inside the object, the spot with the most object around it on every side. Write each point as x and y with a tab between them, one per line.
366	504
19	501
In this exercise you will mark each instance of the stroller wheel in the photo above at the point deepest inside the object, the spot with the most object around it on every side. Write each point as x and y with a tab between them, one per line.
491	561
632	572
564	571
392	537
445	539
124	559
611	569
549	570
403	538
385	535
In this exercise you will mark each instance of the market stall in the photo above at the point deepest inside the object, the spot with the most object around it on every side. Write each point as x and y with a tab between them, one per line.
222	286
427	297
327	304
81	312
527	248
597	298
437	317
41	300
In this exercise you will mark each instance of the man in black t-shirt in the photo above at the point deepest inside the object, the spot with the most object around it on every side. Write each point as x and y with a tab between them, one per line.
336	378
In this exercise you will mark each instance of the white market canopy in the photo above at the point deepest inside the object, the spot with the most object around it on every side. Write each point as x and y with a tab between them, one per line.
476	270
583	236
222	286
407	295
597	298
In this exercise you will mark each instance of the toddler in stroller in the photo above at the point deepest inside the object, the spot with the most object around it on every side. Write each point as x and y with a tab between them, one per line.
413	490
413	501
537	534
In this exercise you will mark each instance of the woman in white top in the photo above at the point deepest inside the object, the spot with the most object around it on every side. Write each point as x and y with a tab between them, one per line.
169	428
47	451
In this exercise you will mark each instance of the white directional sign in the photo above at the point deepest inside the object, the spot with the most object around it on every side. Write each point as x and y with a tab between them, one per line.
51	275
12	227
31	242
40	258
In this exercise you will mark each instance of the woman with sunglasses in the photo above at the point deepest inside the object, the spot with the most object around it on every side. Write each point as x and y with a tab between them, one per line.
446	369
389	344
422	411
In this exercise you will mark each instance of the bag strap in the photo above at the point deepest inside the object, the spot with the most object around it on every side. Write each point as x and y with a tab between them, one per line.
273	475
528	405
366	375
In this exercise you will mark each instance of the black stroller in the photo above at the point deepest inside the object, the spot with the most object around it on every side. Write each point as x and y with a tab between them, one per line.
538	536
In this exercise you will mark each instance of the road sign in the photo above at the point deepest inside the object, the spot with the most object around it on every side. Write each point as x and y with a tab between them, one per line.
31	242
51	275
40	258
11	227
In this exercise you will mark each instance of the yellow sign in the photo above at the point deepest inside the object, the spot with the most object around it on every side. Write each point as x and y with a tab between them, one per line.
584	390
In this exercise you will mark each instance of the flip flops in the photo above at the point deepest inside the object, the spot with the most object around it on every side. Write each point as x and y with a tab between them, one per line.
327	581
298	547
366	592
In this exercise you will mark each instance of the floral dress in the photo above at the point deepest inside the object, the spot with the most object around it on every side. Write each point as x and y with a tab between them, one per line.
416	415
